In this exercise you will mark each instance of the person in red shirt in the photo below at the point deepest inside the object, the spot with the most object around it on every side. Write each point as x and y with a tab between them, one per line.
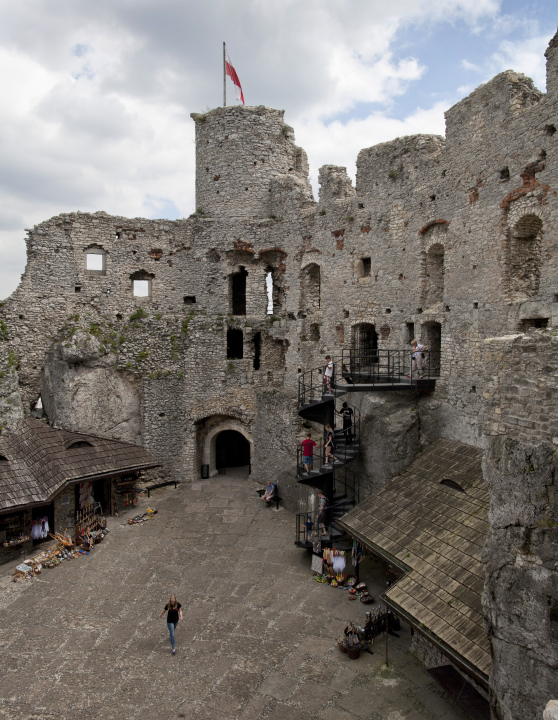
308	446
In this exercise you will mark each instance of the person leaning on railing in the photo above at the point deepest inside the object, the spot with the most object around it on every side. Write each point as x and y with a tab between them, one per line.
417	354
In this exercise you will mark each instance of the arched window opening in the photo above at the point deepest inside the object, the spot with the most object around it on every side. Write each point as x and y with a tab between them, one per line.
95	260
452	484
310	289
257	350
431	336
434	275
524	264
235	344
238	292
232	450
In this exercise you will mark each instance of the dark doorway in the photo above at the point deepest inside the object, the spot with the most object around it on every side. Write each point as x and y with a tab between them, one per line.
235	344
431	336
365	340
231	450
37	514
238	292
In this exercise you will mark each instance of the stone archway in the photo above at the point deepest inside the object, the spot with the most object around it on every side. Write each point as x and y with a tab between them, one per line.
215	426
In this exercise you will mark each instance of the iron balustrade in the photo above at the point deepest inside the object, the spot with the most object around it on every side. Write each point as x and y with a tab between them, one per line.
392	367
343	450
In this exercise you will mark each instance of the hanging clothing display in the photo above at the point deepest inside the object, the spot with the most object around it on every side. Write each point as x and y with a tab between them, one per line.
357	553
40	529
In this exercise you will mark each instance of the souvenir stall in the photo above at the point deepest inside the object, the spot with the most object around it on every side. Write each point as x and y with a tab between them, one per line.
15	533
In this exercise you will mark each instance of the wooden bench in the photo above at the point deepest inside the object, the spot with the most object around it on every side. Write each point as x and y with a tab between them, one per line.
149	488
275	499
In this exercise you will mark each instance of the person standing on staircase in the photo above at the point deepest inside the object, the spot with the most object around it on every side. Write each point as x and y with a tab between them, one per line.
347	415
329	445
328	375
321	519
308	446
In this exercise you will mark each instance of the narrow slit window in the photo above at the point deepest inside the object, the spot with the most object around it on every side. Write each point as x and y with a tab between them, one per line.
269	290
235	344
238	292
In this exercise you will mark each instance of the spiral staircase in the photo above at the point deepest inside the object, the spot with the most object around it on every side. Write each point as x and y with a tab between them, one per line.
376	370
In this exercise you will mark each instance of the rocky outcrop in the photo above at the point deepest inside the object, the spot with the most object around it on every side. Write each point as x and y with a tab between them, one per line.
83	390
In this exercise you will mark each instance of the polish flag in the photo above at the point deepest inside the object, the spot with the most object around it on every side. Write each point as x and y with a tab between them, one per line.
231	72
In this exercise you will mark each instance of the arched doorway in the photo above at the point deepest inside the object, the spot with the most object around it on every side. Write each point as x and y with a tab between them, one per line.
232	450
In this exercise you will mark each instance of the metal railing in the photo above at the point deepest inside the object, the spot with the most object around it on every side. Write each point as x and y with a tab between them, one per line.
345	442
395	367
307	526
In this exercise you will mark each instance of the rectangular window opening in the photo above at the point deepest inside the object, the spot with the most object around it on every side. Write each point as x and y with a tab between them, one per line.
366	267
189	299
141	288
95	262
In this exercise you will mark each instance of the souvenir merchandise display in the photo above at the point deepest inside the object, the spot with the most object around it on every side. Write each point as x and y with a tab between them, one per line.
13	530
64	550
89	525
356	638
151	512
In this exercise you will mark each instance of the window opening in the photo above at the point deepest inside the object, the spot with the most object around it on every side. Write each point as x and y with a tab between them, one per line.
269	291
77	288
524	260
364	267
189	299
238	292
537	323
505	173
141	283
310	289
141	288
314	333
235	344
434	275
257	350
95	261
79	444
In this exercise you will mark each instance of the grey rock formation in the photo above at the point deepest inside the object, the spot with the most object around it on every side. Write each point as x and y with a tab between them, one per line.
82	390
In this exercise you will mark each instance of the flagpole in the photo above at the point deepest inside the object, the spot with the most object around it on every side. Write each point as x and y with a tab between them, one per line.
224	79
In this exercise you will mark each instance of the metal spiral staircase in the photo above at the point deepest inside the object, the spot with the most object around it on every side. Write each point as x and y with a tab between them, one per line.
354	371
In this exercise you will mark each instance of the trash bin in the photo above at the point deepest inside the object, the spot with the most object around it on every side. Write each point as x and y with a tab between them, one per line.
205	472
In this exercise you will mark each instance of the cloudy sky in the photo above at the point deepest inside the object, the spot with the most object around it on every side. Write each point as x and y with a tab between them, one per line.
96	96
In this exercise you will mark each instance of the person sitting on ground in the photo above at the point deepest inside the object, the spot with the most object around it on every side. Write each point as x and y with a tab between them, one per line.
308	446
270	492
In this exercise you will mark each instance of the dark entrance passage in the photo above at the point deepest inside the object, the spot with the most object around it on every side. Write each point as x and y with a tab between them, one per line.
231	450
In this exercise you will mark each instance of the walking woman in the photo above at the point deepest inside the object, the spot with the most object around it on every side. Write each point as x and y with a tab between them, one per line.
174	614
329	445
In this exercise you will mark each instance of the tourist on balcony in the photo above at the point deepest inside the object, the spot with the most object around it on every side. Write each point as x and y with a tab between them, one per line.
330	445
328	375
270	492
308	446
417	353
174	614
347	415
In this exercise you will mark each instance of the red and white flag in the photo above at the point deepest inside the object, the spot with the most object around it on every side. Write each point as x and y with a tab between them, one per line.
231	72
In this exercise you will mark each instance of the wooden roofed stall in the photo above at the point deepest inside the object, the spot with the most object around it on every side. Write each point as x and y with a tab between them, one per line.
39	467
431	522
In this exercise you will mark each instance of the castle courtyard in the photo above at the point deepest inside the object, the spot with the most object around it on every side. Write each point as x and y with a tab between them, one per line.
258	638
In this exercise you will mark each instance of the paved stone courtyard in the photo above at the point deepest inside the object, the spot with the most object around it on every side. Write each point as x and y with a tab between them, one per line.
257	641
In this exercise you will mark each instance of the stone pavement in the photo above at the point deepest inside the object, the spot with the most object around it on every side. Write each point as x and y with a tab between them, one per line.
258	638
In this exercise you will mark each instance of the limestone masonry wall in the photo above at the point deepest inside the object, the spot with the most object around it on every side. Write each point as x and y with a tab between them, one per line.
452	241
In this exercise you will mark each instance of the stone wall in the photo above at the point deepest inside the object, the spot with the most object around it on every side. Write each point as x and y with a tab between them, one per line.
520	556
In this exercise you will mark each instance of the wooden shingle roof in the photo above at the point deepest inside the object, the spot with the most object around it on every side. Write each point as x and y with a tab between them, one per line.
40	460
435	533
